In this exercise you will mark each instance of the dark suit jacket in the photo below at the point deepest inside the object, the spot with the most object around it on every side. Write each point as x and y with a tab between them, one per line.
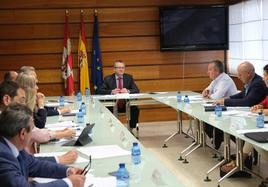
257	91
40	118
109	83
51	111
11	175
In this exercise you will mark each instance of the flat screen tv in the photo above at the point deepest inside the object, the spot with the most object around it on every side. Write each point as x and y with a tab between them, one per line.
190	28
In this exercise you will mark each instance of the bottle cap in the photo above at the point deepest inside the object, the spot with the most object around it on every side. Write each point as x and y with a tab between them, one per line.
135	143
121	165
260	113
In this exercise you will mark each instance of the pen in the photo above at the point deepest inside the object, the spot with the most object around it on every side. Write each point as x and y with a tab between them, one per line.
87	167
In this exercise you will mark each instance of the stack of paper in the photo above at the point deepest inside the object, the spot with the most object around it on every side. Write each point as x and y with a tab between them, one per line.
104	151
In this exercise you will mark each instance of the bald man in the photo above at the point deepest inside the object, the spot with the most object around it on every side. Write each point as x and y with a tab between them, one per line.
10	76
254	90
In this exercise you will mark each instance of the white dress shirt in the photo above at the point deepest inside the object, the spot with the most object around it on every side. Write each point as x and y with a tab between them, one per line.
221	87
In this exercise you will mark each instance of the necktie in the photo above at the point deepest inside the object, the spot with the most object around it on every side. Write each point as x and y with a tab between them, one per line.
120	102
21	162
120	86
246	89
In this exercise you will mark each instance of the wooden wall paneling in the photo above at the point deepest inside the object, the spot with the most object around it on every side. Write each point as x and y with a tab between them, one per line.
157	58
45	16
56	45
31	33
163	71
6	4
55	31
194	84
138	72
131	58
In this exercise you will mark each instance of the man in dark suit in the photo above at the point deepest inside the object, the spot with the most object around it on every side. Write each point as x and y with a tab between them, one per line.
254	90
253	93
120	82
16	165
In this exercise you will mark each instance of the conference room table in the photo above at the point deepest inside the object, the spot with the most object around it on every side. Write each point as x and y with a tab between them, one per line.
113	132
108	130
230	124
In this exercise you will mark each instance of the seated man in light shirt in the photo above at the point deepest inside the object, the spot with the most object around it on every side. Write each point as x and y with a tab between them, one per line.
221	86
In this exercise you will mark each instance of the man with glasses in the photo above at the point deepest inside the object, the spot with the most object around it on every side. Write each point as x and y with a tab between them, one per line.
121	83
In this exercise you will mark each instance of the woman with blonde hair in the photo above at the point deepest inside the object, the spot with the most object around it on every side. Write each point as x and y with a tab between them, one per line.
35	102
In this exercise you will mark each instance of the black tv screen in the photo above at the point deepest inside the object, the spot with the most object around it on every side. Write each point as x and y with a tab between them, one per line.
194	28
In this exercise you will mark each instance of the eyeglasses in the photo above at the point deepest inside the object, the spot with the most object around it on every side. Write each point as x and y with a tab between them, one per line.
87	167
119	67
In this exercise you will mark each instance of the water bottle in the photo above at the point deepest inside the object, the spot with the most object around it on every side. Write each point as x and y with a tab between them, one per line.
61	100
218	110
79	96
87	93
178	97
83	108
186	99
136	153
122	176
260	120
80	117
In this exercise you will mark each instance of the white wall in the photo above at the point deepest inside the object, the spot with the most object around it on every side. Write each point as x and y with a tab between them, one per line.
248	34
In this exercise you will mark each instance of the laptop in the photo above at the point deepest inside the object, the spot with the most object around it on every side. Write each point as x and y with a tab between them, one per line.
83	138
261	137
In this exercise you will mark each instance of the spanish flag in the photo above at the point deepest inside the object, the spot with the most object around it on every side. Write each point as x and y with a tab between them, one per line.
82	58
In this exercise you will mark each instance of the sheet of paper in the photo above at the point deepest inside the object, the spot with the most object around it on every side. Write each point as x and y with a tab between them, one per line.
104	151
64	124
91	180
55	104
239	113
78	160
195	97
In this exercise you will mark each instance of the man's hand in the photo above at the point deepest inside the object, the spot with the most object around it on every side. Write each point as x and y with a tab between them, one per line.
69	157
124	90
115	91
219	101
75	171
205	93
77	180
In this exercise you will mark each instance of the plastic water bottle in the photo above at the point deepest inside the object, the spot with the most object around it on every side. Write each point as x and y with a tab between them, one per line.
136	153
260	120
80	117
122	176
79	96
87	93
178	97
218	110
61	100
186	99
83	108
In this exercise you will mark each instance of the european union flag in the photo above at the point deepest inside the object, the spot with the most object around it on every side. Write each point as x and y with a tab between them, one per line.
96	64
